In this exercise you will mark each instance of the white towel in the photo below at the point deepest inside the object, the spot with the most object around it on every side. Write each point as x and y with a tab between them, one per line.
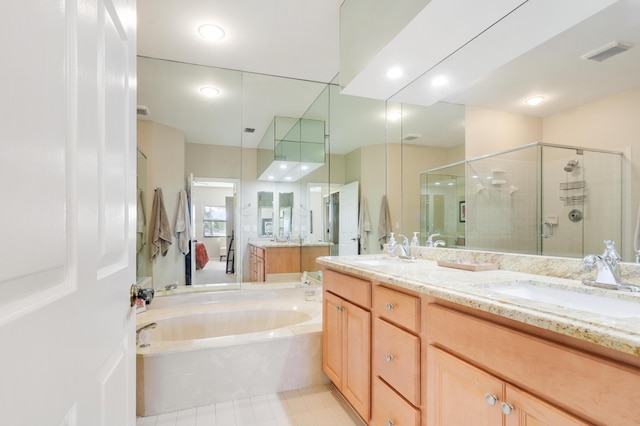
183	224
159	226
364	224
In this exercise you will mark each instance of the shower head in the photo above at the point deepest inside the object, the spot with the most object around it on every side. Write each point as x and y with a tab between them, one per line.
572	164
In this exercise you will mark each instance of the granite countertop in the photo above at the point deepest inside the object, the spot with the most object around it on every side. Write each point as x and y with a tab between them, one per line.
474	289
271	243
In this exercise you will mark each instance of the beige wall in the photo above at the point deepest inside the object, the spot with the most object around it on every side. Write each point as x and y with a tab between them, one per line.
164	148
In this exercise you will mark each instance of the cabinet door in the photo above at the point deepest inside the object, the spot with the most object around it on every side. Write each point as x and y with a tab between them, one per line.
356	361
458	393
531	411
332	338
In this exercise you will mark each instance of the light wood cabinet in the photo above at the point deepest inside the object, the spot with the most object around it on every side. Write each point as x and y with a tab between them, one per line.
346	341
562	383
461	394
429	363
396	358
256	264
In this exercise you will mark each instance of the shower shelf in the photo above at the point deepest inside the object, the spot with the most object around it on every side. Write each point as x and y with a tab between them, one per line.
574	199
566	186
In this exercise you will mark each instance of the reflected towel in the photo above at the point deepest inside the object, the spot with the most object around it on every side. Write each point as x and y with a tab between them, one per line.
364	224
636	239
183	224
384	226
159	227
141	222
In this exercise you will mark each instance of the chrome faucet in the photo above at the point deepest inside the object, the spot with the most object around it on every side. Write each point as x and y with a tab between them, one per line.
405	248
431	243
141	329
608	269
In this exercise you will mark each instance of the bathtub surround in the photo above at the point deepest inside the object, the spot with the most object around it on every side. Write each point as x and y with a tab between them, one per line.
198	370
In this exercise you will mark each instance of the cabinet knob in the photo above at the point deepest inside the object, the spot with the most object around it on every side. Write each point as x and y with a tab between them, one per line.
390	306
390	423
507	408
491	399
389	357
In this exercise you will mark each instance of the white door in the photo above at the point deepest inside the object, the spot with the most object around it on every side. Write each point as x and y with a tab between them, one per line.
67	173
348	242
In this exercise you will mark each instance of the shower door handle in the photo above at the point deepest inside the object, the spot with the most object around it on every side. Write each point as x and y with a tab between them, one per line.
548	225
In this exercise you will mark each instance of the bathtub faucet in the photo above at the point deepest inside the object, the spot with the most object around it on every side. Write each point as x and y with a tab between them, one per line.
141	329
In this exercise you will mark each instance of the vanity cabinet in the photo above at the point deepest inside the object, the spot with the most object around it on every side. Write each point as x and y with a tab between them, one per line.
461	394
396	358
346	341
511	376
256	264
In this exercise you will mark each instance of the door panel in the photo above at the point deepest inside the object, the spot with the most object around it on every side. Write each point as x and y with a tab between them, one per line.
348	219
68	169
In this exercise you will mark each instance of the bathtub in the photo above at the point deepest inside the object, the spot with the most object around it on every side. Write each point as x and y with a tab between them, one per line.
216	347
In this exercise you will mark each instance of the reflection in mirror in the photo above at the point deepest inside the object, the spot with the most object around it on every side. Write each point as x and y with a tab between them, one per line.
443	206
545	199
587	103
265	213
142	253
429	137
285	215
213	218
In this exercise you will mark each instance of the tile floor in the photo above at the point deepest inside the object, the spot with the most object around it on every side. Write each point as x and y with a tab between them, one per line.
314	406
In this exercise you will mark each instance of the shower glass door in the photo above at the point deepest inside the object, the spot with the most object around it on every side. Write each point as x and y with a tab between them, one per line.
581	201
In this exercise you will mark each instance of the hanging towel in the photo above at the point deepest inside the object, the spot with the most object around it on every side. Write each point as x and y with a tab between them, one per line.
384	226
636	239
183	224
364	223
141	222
159	227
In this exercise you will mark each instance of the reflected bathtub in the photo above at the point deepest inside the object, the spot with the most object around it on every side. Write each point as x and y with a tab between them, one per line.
215	347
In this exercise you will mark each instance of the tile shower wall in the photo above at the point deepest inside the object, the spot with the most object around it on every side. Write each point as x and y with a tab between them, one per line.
502	205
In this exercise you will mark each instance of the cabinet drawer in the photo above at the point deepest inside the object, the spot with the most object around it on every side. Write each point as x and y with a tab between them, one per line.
351	288
401	308
389	408
396	359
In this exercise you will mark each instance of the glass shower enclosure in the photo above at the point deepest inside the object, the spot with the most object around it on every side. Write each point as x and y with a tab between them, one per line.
540	198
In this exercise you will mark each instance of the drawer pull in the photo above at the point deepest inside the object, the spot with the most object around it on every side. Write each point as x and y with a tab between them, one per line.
491	399
390	306
389	358
507	408
390	423
339	309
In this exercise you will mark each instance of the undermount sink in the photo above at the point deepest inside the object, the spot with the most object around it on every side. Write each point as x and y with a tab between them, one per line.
573	299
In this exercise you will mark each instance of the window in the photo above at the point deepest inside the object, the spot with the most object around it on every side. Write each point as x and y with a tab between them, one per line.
214	221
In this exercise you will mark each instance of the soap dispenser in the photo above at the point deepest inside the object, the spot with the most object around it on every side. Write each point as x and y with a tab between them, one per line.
392	246
415	242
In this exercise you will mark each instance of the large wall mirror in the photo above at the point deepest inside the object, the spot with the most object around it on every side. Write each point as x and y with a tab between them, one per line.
384	145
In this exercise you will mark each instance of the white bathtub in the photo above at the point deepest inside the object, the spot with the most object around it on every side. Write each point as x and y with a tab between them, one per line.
215	347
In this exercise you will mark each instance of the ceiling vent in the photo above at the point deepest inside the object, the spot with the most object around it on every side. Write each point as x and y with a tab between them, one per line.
411	137
249	129
142	110
608	50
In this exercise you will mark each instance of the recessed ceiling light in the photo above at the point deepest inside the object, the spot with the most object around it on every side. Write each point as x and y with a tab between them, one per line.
304	167
283	166
535	100
394	72
394	115
439	81
288	178
209	91
211	32
271	177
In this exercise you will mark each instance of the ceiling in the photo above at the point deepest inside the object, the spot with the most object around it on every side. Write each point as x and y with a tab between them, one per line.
299	39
